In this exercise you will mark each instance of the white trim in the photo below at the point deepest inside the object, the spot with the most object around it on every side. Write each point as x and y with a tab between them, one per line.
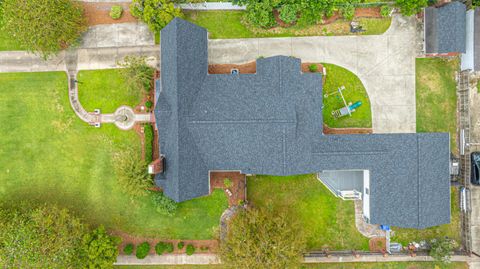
366	197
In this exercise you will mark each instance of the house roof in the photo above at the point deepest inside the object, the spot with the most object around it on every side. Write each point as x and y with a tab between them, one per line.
445	28
271	123
476	39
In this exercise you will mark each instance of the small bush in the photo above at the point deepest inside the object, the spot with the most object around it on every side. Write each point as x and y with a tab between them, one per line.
163	247
163	204
148	104
128	249
142	250
227	182
288	13
180	245
148	130
313	68
348	11
116	12
385	11
190	250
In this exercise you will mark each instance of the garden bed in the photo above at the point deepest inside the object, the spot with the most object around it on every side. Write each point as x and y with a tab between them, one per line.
236	185
99	13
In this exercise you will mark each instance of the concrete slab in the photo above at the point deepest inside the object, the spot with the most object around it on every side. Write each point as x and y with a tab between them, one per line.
117	35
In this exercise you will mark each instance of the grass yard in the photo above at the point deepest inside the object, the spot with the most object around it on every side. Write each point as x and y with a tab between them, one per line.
231	24
451	230
356	265
104	89
354	91
436	96
328	222
49	156
7	42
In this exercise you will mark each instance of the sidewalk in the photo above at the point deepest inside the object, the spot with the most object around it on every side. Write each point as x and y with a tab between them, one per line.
88	59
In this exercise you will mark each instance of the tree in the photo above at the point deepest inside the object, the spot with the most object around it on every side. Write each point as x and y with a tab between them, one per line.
99	249
262	239
131	173
441	249
411	7
260	13
155	13
137	73
43	26
288	13
44	237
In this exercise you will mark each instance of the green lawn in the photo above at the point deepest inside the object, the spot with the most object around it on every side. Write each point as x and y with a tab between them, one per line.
104	89
354	91
356	265
436	96
49	156
231	24
328	222
451	230
7	42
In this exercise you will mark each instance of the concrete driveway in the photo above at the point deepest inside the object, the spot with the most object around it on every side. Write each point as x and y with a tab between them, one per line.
384	63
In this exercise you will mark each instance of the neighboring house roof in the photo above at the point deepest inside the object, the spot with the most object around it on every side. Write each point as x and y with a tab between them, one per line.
445	29
271	123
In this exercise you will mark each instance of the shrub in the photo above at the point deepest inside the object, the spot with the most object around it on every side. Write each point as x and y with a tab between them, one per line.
261	14
442	248
128	249
385	11
149	104
411	7
142	250
190	250
288	13
148	131
155	13
43	26
227	182
99	249
163	204
313	68
180	245
348	11
162	247
116	12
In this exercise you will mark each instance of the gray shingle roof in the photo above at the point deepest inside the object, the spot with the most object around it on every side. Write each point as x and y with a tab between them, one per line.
271	123
445	28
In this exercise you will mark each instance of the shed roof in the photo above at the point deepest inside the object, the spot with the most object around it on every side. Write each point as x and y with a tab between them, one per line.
271	123
445	28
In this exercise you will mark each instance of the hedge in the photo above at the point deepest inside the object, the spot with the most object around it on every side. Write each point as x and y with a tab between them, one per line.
148	130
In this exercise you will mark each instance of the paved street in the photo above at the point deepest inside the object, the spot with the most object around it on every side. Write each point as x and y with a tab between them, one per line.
384	63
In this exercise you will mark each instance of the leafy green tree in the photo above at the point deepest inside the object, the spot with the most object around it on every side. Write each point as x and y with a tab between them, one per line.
44	237
441	249
262	239
260	13
99	249
155	13
411	7
43	26
131	172
137	73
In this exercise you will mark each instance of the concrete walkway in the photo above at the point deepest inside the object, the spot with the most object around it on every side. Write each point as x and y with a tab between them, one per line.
117	35
88	59
384	63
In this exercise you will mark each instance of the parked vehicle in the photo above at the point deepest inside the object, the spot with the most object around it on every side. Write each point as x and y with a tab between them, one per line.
475	168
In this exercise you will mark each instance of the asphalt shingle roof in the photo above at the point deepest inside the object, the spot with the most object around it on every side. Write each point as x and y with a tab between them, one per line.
271	123
445	28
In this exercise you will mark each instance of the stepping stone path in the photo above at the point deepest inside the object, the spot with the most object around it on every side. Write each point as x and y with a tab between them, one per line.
124	117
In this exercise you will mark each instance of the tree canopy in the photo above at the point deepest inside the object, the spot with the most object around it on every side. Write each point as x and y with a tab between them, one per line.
132	173
411	7
262	239
43	26
155	13
99	249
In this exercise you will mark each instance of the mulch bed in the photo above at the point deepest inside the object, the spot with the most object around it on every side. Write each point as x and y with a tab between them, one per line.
248	68
212	245
237	189
99	13
377	244
328	130
368	12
